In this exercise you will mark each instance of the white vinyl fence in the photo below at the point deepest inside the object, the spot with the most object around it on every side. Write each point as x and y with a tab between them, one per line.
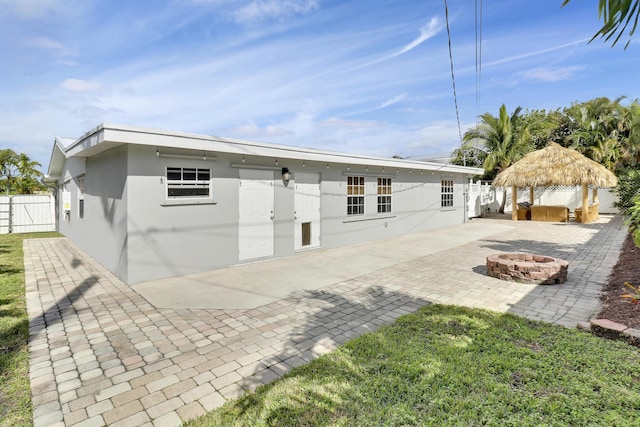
485	199
27	213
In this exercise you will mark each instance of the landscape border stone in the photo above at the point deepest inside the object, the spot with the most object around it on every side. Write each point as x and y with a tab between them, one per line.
612	330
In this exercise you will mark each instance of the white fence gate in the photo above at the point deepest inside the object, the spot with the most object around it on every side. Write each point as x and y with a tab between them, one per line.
484	199
27	213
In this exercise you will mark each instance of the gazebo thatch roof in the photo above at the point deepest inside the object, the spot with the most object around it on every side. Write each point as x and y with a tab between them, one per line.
555	165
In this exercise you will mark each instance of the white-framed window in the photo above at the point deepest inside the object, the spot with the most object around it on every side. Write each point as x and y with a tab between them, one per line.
446	193
384	195
355	195
183	183
80	181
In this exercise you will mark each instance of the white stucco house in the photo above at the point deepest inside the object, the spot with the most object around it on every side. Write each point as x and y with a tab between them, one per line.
151	204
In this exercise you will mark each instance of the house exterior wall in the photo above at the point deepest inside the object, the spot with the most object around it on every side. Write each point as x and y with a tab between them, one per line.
102	232
416	206
137	231
168	240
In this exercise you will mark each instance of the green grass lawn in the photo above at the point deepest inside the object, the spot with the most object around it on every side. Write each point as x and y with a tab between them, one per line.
443	365
15	392
453	366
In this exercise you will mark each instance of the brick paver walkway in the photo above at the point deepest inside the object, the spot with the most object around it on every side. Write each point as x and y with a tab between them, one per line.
100	354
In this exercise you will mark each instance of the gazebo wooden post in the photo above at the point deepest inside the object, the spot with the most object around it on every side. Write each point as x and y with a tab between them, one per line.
585	203
514	203
531	194
595	195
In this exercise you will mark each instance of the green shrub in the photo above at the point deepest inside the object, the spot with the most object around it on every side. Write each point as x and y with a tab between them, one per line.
634	219
628	188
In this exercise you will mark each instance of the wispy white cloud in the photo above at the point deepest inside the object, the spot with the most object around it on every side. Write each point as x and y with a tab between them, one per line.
548	74
394	100
259	10
428	30
77	85
385	104
254	131
50	45
349	124
213	2
31	9
533	53
438	137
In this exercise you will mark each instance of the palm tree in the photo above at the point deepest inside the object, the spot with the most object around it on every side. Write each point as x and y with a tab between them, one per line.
542	125
606	152
630	152
617	16
8	168
20	174
504	139
599	129
29	175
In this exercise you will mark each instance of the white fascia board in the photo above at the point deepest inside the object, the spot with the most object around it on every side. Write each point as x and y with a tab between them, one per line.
88	144
107	136
57	160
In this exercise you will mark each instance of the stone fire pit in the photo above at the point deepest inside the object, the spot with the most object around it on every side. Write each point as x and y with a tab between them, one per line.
527	268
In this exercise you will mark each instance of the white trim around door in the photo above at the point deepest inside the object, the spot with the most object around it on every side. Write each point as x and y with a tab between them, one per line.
307	210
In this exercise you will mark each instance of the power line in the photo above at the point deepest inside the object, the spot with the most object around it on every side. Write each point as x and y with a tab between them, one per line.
478	41
453	77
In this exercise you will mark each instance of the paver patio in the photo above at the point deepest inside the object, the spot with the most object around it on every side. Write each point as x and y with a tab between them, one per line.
101	354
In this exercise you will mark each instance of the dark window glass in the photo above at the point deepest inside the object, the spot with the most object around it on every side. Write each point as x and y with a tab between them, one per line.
204	174
174	174
188	191
188	174
188	182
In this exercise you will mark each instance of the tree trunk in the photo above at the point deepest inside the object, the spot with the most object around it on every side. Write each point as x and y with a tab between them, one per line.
504	201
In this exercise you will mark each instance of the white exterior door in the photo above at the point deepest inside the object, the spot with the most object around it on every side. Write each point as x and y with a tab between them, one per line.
307	210
256	214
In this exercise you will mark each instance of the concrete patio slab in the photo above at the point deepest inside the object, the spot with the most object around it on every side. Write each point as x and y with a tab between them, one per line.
102	354
253	285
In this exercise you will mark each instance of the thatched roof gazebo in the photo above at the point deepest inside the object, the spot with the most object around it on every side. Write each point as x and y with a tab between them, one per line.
556	165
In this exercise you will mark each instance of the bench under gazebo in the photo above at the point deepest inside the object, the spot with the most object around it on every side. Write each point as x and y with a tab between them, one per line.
556	165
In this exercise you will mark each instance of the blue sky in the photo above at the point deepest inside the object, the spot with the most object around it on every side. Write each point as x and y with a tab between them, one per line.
352	76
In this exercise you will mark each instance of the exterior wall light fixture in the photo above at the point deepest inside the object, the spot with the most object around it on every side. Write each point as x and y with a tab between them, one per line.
286	174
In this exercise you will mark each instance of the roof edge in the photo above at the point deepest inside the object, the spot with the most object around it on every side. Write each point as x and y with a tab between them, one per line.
116	134
56	161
